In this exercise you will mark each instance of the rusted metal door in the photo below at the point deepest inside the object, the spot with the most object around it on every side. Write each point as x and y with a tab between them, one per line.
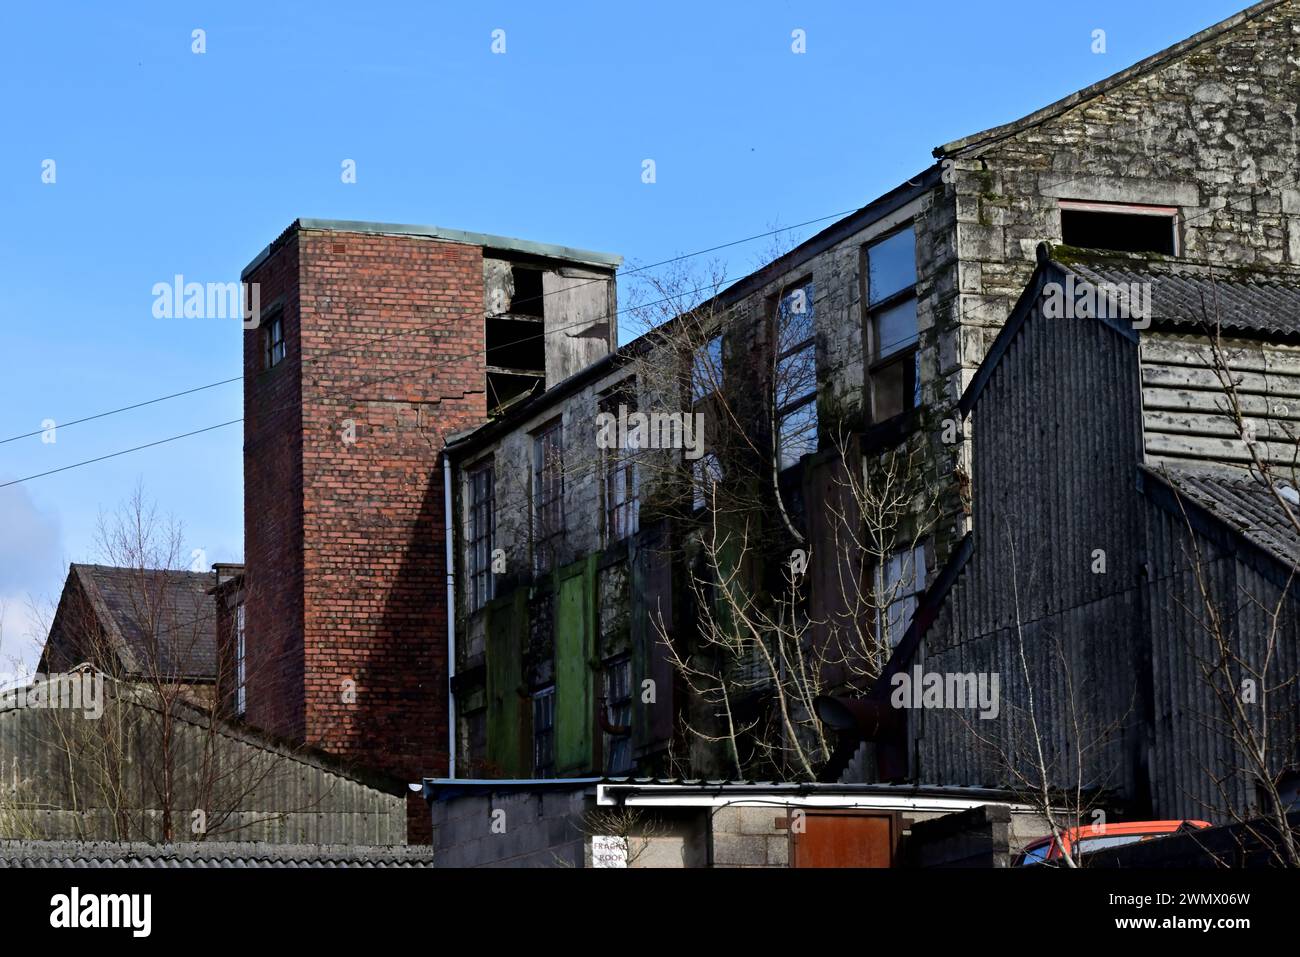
842	839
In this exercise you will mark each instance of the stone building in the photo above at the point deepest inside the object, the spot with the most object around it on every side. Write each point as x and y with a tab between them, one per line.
571	569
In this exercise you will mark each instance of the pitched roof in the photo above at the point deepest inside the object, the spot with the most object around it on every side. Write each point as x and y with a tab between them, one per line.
1151	63
1241	499
225	854
146	608
1197	296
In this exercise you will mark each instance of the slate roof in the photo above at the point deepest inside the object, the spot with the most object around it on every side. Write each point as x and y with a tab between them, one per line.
232	854
1242	500
1194	296
174	605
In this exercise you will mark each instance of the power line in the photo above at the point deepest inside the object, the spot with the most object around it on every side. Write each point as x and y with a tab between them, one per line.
112	455
381	338
444	320
447	359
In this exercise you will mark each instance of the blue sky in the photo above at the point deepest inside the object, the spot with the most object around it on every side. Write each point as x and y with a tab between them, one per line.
168	161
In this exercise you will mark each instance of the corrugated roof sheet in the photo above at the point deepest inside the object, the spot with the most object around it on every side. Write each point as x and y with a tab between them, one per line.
1243	500
104	854
1192	296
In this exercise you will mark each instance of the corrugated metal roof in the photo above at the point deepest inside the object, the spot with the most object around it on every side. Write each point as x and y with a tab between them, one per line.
1194	297
106	854
1243	500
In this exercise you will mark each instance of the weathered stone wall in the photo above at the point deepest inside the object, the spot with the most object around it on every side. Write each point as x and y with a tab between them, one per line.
1212	131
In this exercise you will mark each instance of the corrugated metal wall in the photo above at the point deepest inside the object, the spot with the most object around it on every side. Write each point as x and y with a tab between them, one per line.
1194	745
68	777
1058	439
1056	435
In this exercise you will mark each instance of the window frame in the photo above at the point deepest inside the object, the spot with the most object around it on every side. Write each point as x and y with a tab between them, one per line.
911	592
274	343
620	519
545	698
1172	213
548	494
619	713
480	533
241	661
908	355
807	345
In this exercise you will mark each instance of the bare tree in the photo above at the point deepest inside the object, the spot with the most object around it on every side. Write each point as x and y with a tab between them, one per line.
156	759
789	600
1249	675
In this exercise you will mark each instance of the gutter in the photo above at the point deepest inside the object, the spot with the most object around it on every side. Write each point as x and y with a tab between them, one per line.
451	616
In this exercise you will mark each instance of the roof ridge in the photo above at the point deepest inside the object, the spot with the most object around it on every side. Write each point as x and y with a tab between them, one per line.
1105	85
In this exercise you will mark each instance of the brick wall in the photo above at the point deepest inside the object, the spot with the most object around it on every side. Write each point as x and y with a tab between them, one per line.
273	544
343	494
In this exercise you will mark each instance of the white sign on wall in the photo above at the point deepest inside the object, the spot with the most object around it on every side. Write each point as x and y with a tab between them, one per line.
608	851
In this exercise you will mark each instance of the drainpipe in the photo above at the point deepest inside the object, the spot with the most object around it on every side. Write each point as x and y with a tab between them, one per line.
451	617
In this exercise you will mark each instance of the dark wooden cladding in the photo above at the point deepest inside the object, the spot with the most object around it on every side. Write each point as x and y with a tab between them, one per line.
1058	487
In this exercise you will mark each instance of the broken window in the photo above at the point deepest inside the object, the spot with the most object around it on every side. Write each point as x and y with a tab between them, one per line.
795	386
479	536
1120	227
894	367
706	473
273	341
548	495
515	339
899	582
544	732
529	298
618	706
622	493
